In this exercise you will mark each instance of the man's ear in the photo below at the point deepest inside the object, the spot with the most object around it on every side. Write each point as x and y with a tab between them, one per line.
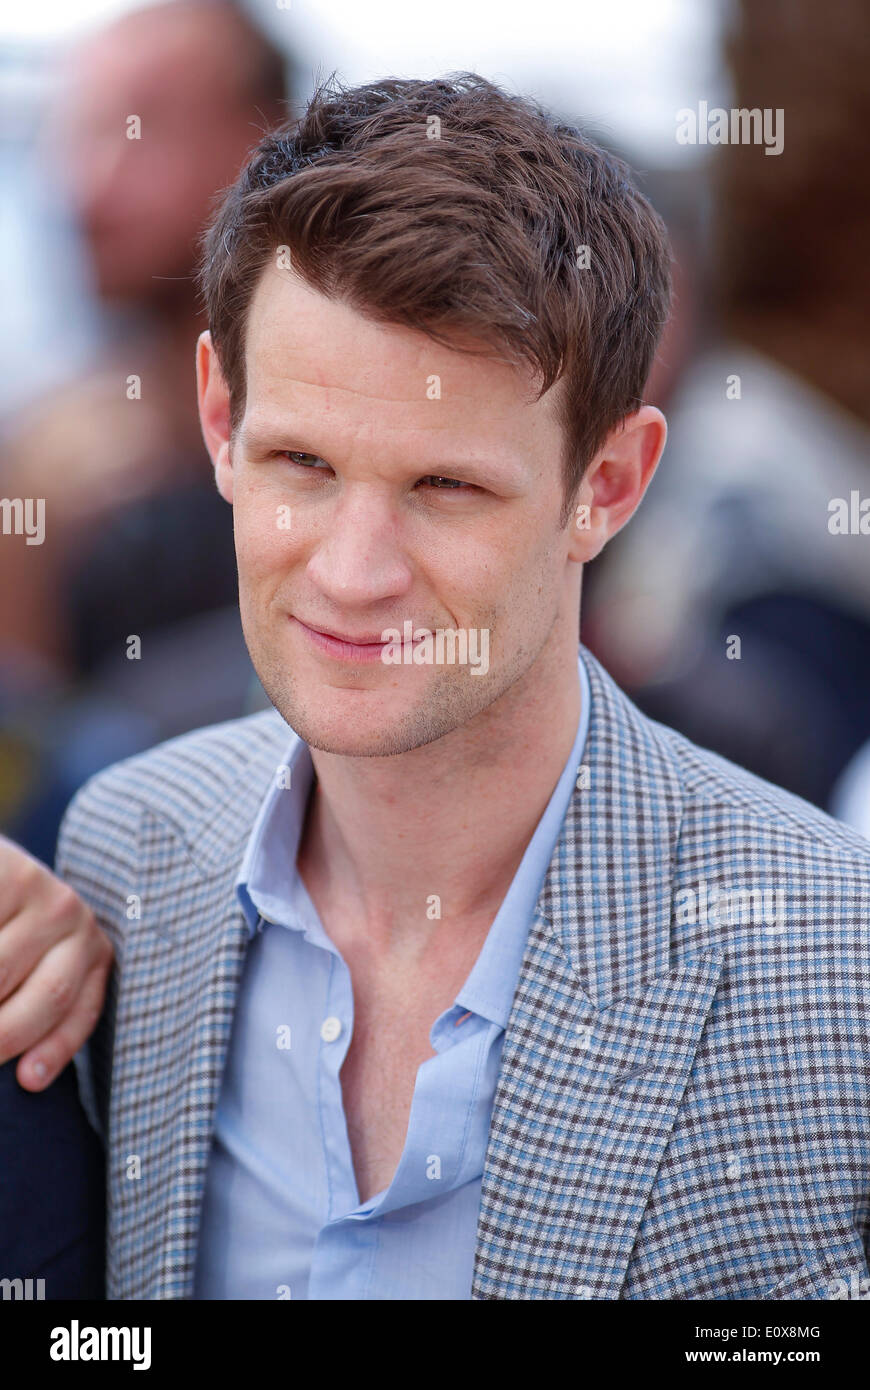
213	399
615	481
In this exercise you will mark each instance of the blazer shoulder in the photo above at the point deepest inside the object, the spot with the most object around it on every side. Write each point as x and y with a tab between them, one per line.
758	816
726	816
182	781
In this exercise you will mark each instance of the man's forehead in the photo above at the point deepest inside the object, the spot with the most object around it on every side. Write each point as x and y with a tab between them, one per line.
298	337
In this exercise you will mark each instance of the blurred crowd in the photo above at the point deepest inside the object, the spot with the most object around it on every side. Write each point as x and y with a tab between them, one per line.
736	606
729	607
149	119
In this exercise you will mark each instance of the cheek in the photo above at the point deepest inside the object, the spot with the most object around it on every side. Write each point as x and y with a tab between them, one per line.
532	564
264	549
500	576
533	596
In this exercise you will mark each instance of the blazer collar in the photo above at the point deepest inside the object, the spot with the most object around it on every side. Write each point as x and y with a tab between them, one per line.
606	898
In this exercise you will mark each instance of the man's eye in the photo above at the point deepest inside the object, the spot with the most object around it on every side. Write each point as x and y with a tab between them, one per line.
442	483
437	480
304	460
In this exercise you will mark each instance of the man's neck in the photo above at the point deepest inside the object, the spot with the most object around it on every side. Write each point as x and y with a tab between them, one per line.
385	837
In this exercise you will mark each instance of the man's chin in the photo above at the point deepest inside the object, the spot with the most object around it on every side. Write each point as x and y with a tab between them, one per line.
345	747
359	743
362	733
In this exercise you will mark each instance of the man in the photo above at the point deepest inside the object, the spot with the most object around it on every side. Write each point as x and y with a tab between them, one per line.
473	982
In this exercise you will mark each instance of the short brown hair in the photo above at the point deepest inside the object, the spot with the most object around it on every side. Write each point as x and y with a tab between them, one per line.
477	232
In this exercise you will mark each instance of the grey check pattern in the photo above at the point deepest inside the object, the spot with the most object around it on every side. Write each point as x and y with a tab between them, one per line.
683	1107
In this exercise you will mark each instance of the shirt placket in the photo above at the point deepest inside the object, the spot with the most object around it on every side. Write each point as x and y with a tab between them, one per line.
344	1251
336	1028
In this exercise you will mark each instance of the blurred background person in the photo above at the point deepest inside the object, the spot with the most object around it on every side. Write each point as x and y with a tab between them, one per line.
768	415
153	115
54	962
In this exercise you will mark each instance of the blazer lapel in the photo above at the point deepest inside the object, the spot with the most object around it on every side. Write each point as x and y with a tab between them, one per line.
602	1034
180	971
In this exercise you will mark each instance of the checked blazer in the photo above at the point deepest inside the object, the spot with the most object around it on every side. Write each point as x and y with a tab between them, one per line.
683	1105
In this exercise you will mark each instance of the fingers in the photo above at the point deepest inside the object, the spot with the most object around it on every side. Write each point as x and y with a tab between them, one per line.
22	879
46	996
54	967
43	1063
37	911
27	938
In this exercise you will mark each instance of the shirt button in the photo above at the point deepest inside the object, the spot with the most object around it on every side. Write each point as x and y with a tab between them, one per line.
330	1028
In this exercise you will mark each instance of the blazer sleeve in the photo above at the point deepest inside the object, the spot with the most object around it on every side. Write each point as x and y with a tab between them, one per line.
97	855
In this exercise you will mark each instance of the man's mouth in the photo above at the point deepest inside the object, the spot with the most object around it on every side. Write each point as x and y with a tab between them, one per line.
346	647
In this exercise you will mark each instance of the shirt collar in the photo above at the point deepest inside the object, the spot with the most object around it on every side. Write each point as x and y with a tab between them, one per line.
279	823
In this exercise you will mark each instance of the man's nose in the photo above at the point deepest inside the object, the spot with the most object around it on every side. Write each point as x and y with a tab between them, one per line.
361	558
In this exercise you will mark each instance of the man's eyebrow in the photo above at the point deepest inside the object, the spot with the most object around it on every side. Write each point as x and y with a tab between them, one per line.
487	472
266	436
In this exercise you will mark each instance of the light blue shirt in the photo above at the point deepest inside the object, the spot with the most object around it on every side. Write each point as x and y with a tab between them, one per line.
281	1215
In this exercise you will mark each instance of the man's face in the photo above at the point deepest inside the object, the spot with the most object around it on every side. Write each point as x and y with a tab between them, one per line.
379	478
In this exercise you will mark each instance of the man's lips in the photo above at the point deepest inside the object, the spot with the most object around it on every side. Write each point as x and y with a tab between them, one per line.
367	648
374	640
